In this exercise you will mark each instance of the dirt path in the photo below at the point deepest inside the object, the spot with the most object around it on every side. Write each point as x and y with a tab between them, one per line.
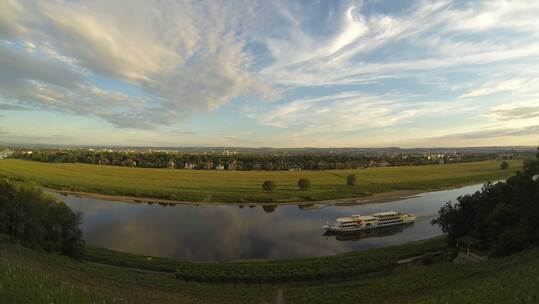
375	198
279	298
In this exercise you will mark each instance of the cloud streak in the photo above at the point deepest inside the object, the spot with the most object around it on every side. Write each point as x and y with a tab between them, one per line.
184	56
335	69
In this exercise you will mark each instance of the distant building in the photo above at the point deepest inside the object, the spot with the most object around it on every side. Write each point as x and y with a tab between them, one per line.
232	166
295	168
220	167
129	163
384	164
5	154
189	166
208	165
171	164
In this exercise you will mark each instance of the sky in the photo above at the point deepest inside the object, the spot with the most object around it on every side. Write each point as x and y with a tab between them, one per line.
270	73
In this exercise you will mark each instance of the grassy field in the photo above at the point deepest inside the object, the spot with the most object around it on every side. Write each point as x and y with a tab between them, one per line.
245	186
28	276
513	279
279	271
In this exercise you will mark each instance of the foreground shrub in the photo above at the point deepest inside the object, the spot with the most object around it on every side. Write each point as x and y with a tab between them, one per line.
38	220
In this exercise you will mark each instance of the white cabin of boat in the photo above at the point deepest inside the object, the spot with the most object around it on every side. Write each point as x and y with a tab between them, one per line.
363	222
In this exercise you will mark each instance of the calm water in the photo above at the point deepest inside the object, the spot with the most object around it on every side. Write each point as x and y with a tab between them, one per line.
232	233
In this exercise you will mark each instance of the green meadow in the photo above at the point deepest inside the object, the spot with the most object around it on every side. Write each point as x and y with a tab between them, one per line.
246	186
32	276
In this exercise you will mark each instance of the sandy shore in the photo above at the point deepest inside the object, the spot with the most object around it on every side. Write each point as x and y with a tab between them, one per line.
372	199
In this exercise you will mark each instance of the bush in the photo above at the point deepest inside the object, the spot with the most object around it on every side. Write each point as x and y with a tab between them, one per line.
351	180
428	259
38	220
304	183
504	165
268	186
452	254
502	216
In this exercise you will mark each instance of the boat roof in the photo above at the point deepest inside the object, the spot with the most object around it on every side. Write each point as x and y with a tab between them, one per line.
346	219
385	213
355	217
367	217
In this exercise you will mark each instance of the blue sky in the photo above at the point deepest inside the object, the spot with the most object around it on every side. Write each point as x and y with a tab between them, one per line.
270	73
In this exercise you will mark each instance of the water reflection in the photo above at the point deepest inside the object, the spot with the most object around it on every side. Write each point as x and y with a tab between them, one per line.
231	233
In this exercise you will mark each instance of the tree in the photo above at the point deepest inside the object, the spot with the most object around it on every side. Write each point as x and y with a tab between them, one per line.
38	220
268	186
503	216
304	183
504	165
351	180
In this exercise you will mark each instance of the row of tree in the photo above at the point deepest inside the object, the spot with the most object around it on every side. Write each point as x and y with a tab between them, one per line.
38	220
305	183
503	217
237	162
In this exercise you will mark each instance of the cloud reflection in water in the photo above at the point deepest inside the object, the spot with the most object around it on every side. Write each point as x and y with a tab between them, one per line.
232	233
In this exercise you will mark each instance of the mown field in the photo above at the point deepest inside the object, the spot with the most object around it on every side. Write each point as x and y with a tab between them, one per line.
28	276
245	186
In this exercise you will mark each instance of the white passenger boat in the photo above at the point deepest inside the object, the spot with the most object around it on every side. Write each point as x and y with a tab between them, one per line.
364	222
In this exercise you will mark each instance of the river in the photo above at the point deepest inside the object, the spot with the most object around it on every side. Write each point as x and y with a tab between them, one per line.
222	233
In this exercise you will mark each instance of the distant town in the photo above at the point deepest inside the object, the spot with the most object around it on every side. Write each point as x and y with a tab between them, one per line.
269	159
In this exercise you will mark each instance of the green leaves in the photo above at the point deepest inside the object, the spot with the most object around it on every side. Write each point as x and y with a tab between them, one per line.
304	184
351	180
39	220
268	186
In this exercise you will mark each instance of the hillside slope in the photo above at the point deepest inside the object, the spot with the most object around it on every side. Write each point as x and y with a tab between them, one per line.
36	277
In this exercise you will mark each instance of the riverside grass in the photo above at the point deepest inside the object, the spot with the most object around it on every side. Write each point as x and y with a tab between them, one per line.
246	186
512	279
30	276
340	266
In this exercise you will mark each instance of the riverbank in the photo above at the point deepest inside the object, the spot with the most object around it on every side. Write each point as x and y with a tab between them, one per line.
382	197
373	199
245	187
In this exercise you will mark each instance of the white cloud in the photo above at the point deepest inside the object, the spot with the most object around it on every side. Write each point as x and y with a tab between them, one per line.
186	56
516	111
354	27
169	59
439	31
353	112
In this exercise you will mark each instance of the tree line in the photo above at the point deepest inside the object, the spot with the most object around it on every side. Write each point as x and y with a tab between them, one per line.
202	161
503	216
305	183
